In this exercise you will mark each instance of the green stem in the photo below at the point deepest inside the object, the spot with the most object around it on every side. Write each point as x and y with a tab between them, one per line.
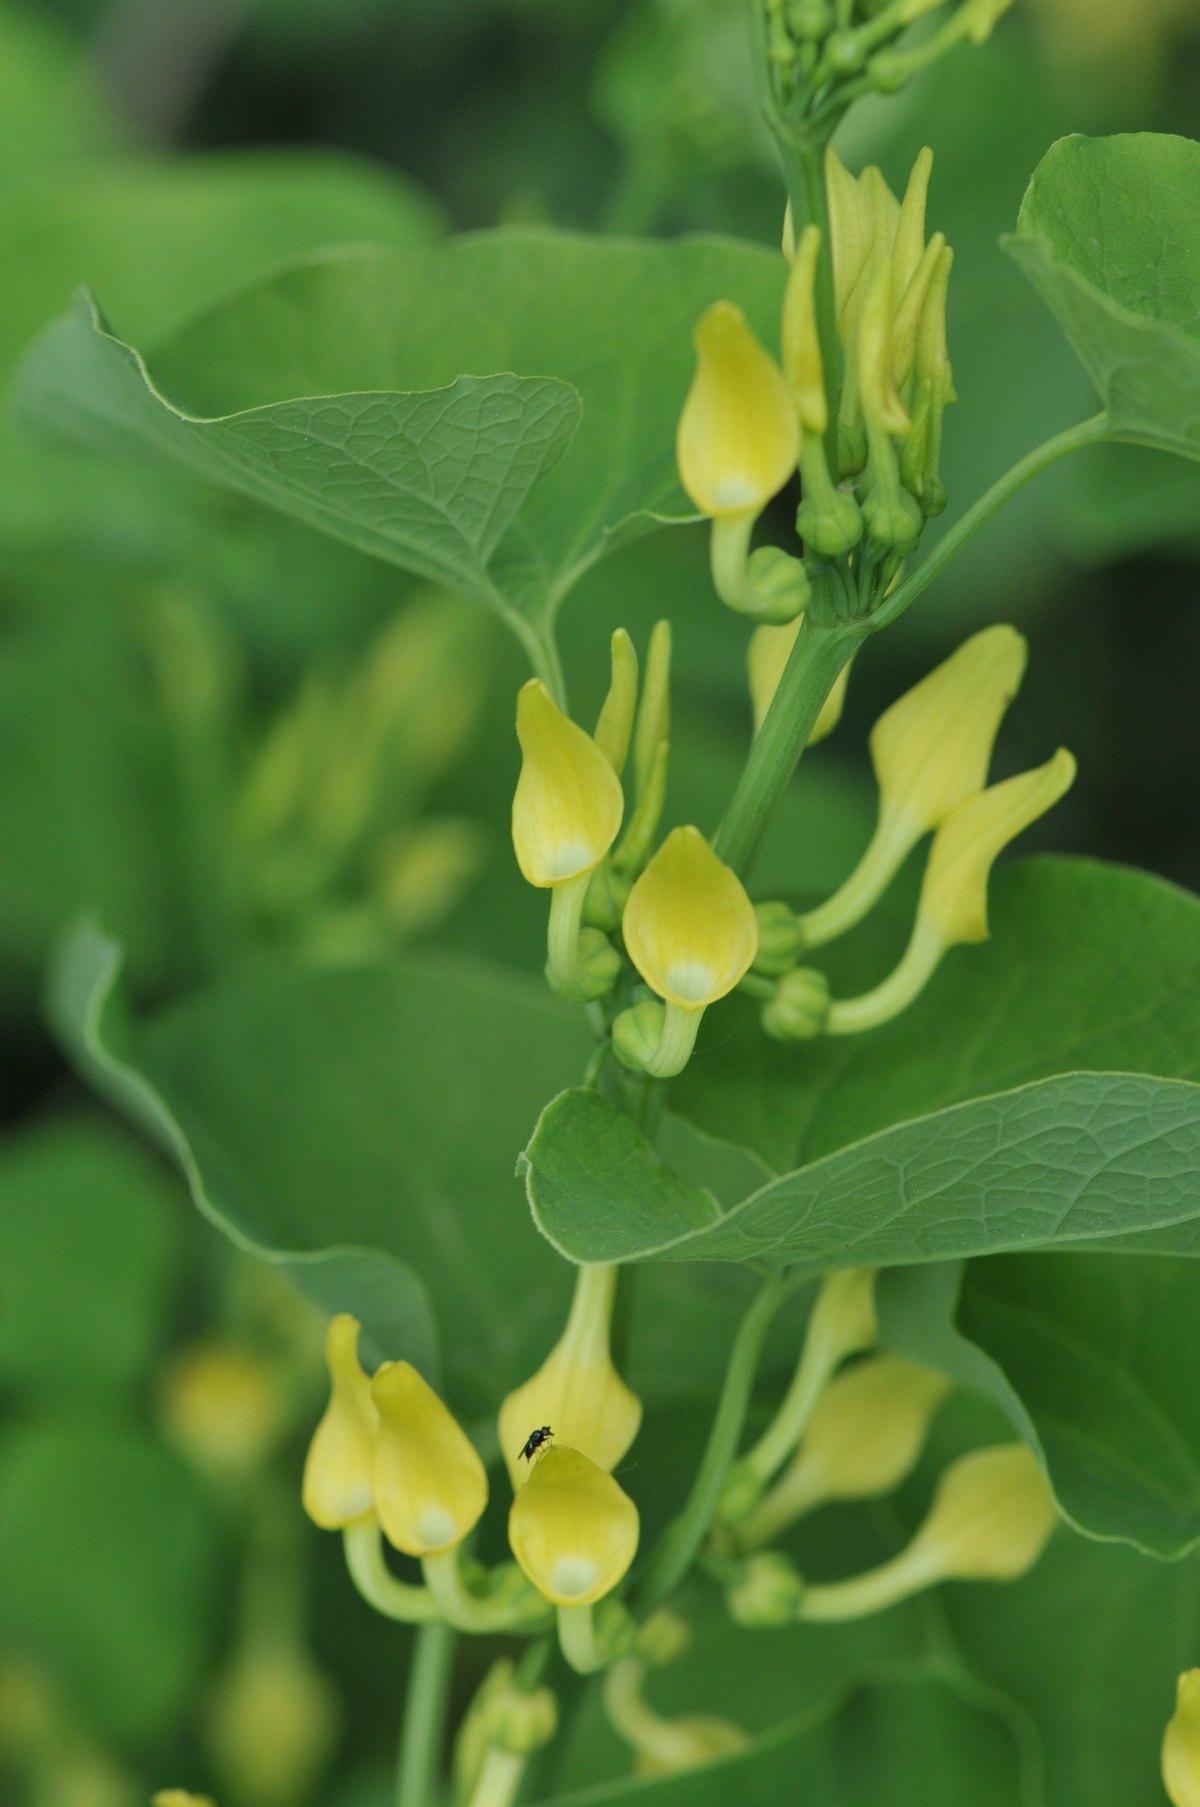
424	1716
1088	432
817	658
683	1537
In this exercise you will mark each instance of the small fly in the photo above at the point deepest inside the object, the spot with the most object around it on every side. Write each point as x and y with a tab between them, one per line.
535	1440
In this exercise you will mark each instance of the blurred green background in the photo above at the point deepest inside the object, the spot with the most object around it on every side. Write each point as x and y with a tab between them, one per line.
221	733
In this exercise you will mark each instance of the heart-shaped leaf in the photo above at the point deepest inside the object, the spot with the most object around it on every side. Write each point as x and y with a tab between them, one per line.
1110	235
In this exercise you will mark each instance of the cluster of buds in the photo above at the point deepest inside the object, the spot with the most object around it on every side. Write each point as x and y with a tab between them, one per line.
823	54
678	917
931	751
866	439
388	1460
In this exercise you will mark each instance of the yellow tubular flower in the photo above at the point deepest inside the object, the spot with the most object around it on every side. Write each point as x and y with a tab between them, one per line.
930	750
909	243
881	405
615	726
799	341
337	1472
990	1520
568	804
576	1391
429	1485
691	931
867	1429
766	658
654	710
851	228
738	440
1181	1743
573	1530
953	905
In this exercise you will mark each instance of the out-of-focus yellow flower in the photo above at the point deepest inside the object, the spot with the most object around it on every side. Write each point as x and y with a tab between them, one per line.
769	651
953	904
573	1530
991	1518
662	1746
273	1723
337	1473
576	1391
429	1485
568	803
1181	1743
223	1407
930	750
867	1429
179	1797
691	931
738	437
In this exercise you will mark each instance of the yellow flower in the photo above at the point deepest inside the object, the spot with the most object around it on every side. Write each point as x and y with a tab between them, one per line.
568	802
1181	1743
337	1473
991	1518
429	1485
799	341
272	1725
576	1391
954	893
573	1530
866	1431
930	750
179	1797
614	728
224	1407
769	651
689	926
738	438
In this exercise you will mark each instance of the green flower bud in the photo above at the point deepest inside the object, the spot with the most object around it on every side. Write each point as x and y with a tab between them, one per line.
637	1034
597	967
831	525
606	896
799	1009
809	19
780	585
780	939
663	1638
517	1722
769	1593
895	522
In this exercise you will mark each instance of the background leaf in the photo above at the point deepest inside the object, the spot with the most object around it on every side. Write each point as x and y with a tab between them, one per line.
1108	235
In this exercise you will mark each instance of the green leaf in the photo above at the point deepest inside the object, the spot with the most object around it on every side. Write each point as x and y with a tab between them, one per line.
611	318
430	480
1090	1644
383	1293
1108	235
87	1240
106	1569
1069	1160
1090	967
1103	1355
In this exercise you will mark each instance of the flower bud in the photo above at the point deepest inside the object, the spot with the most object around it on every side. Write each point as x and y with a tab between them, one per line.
954	893
576	1391
991	1517
769	1592
1181	1743
223	1407
573	1530
568	804
766	660
663	1638
273	1723
780	939
337	1472
800	341
800	1007
614	729
637	1034
851	229
738	438
689	926
518	1722
688	1742
780	585
428	1482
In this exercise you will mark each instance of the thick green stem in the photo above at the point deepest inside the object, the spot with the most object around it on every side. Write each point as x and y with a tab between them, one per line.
817	658
1088	432
684	1536
424	1717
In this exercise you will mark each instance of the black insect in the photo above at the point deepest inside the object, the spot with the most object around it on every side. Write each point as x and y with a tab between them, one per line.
535	1440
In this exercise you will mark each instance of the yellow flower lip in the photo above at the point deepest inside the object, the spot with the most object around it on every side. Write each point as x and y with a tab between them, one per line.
337	1472
738	437
689	927
1181	1743
428	1482
573	1530
568	803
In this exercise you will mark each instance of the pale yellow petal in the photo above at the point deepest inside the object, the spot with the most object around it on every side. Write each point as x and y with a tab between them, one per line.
429	1484
337	1473
573	1530
738	436
689	927
568	803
